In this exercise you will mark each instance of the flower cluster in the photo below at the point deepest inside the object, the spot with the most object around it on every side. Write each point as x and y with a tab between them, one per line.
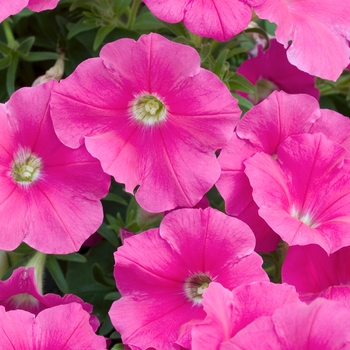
178	122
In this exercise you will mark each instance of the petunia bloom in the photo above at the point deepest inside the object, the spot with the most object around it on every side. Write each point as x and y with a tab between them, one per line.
315	274
162	274
214	19
50	194
20	291
261	129
10	7
304	195
60	327
228	312
152	118
270	70
319	31
324	324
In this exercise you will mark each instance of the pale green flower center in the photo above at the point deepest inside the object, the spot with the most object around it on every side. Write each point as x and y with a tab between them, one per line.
148	109
23	301
26	167
195	286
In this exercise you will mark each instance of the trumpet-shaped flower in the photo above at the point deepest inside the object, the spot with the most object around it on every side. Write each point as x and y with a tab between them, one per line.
270	70
315	274
9	7
215	19
304	195
261	129
228	312
152	118
323	324
50	194
59	327
318	29
163	273
20	291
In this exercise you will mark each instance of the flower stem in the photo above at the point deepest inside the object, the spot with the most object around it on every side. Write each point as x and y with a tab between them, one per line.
132	16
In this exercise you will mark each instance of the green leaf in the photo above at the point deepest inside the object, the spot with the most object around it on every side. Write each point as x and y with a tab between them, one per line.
147	22
112	197
79	27
243	103
100	277
11	74
205	52
177	28
120	6
220	62
101	35
118	347
25	46
239	82
113	296
41	56
56	273
109	234
4	49
71	257
4	62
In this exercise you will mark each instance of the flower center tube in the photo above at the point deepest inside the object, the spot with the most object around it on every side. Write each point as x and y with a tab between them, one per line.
148	109
26	167
195	286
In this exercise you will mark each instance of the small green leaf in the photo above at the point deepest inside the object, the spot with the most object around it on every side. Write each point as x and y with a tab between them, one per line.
113	296
120	6
71	257
239	82
100	277
101	35
56	273
118	347
262	33
23	249
41	56
11	74
109	234
25	46
220	62
146	22
4	49
205	52
4	62
177	28
243	103
115	198
79	27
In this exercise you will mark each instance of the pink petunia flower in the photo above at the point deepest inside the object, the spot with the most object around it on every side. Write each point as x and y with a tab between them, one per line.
324	324
214	19
261	129
162	274
228	312
270	70
59	327
12	7
152	118
20	291
315	274
304	195
50	194
319	31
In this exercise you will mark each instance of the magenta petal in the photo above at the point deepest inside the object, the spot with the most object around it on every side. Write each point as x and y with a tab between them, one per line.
9	8
41	5
272	65
314	273
229	312
335	126
324	35
280	115
212	234
291	192
172	12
